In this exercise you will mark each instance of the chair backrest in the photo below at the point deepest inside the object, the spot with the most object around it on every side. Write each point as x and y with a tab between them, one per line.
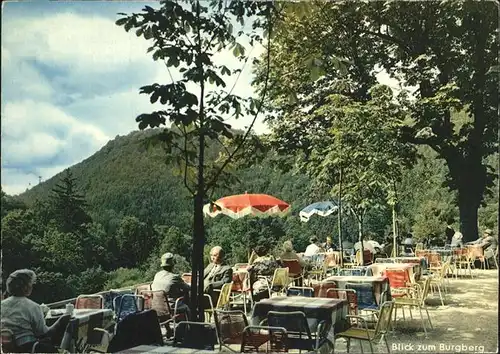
324	288
140	287
230	326
224	296
241	266
240	280
294	322
346	294
293	265
352	271
364	294
434	259
476	252
419	247
195	335
398	278
280	277
141	328
89	302
8	344
300	291
426	289
157	300
384	319
126	304
254	337
332	259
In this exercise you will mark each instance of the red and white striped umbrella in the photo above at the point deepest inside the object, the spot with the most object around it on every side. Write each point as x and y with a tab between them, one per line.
237	206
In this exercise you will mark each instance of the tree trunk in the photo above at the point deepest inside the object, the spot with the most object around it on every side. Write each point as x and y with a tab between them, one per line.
468	216
197	285
360	236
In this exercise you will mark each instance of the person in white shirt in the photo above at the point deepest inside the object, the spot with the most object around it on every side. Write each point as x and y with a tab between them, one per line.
313	248
367	245
25	317
456	240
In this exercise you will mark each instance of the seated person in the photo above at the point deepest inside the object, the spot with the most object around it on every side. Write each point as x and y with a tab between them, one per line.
170	282
366	245
313	248
328	245
489	244
216	274
25	317
408	244
456	240
289	253
388	246
261	265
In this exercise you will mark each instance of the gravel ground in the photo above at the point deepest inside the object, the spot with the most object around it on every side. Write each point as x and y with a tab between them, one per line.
467	323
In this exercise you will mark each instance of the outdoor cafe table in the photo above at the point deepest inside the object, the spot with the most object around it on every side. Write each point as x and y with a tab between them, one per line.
163	349
414	270
81	325
316	309
379	284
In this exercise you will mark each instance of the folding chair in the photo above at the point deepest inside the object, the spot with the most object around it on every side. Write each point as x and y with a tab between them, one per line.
361	332
230	327
254	338
297	327
89	302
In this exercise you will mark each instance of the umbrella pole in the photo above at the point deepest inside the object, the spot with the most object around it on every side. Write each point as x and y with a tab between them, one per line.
340	220
394	246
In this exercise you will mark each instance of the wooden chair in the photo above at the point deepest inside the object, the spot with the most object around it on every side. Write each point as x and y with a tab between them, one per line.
258	339
321	290
230	327
89	302
465	261
345	294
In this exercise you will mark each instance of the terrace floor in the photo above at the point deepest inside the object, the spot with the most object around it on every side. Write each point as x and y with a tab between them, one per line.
467	323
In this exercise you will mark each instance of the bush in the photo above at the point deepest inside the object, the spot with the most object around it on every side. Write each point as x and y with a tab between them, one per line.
123	277
90	281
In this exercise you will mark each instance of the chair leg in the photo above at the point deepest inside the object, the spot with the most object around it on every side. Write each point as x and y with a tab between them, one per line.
361	346
411	316
423	321
440	296
403	310
348	344
371	346
429	318
387	345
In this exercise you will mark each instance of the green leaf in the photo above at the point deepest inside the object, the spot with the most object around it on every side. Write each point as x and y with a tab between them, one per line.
121	21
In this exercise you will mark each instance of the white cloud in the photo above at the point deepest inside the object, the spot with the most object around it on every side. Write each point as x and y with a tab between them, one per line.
38	134
73	41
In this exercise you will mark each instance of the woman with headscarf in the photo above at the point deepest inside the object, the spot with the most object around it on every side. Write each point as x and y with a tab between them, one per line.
25	317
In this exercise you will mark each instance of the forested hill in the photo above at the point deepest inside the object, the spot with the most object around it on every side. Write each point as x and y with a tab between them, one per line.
127	178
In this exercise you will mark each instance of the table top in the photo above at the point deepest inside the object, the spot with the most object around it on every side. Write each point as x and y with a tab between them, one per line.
77	313
354	278
300	301
163	349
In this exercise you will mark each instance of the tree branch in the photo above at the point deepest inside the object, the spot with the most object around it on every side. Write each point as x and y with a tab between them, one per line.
268	61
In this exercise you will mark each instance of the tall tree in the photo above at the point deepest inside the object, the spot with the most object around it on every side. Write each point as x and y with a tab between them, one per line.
187	35
68	204
445	52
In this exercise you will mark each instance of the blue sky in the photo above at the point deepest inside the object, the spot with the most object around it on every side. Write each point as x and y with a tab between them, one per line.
70	80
